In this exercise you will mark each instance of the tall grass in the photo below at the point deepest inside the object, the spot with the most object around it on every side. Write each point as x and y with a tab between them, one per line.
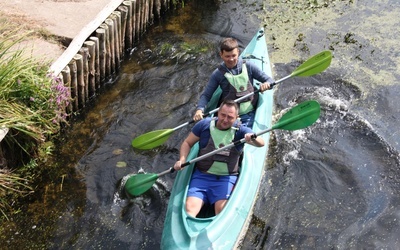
32	107
11	183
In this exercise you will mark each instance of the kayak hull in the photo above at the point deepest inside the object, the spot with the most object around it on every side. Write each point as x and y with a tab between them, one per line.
227	229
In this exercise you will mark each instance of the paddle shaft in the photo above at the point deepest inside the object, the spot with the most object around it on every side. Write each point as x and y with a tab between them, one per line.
237	100
295	73
321	59
171	169
314	65
243	140
231	145
297	117
280	125
238	142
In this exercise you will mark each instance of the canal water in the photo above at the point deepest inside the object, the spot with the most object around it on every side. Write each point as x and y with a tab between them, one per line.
334	185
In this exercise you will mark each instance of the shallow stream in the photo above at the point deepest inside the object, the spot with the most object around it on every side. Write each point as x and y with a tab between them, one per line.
334	185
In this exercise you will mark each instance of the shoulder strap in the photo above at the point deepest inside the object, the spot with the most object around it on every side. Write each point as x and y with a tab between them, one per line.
222	69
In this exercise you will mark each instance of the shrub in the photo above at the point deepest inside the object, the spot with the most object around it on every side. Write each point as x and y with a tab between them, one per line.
32	107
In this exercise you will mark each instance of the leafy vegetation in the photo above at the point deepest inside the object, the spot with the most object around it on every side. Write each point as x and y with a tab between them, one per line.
32	107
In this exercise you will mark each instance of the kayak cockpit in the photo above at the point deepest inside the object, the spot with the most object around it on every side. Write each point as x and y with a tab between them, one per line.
197	224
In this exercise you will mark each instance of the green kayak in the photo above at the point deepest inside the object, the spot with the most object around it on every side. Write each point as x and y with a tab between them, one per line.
226	230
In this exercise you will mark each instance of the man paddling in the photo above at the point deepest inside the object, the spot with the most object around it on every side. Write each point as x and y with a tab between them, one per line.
236	79
214	177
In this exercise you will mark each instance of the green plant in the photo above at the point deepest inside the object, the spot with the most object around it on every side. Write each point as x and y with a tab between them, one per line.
32	107
10	184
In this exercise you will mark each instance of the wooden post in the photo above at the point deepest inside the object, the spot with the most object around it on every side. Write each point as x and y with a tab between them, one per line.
74	84
145	15
118	21
97	61
80	81
124	22
117	52
111	39
84	52
142	17
108	49
66	75
151	12
90	45
91	62
138	19
134	21
128	30
165	5
100	34
157	9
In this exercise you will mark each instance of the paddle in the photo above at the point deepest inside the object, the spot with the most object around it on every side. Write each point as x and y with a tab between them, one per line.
298	117
312	66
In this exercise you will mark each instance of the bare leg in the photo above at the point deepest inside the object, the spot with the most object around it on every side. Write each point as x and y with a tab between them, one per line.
193	205
219	205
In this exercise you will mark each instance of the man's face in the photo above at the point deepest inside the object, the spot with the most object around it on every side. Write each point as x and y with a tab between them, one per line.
226	117
230	58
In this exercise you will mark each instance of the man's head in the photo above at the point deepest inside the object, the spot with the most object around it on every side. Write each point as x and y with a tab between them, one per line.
227	114
229	52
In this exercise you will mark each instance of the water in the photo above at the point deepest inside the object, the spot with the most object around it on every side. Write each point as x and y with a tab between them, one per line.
334	185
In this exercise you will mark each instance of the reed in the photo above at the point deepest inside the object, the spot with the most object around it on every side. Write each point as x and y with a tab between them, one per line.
11	184
32	106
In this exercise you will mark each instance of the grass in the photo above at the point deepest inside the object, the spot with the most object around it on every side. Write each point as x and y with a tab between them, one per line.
32	107
11	183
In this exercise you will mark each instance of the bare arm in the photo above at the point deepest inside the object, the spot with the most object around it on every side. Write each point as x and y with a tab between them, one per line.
257	142
265	86
187	144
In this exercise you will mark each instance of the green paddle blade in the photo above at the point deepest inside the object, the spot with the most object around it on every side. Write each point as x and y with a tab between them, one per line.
314	65
300	116
152	139
139	183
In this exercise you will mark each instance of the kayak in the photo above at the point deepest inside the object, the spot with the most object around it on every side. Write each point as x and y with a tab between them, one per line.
227	229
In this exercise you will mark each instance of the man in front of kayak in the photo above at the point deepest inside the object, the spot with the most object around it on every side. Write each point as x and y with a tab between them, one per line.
235	77
214	177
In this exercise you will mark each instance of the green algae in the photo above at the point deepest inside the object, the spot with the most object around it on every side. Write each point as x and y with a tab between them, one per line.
362	36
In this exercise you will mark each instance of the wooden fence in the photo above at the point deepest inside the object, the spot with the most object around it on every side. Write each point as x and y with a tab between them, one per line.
95	54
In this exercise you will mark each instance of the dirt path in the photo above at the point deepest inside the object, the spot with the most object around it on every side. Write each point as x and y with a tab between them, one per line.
50	21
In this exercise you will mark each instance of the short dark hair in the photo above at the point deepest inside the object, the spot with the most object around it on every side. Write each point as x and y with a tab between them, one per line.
229	44
230	103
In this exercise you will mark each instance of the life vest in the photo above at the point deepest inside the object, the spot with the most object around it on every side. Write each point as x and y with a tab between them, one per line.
240	86
225	162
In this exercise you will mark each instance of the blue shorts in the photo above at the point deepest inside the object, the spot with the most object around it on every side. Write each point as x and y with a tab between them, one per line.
211	188
248	119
